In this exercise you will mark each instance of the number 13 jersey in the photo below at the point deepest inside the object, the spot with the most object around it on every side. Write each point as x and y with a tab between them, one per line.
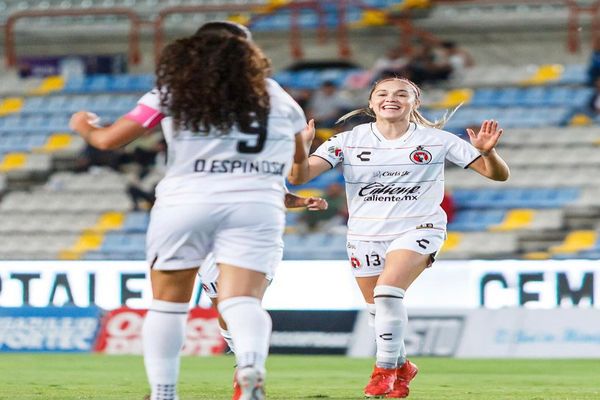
236	167
394	186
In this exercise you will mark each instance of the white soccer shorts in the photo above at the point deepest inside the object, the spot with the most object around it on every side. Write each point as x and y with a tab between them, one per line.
368	258
246	235
209	273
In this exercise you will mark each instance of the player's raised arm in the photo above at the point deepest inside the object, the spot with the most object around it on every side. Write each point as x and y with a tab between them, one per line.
116	135
490	164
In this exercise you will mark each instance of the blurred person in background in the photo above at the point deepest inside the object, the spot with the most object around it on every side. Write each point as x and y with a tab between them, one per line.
394	173
325	104
594	62
232	134
594	103
393	62
458	59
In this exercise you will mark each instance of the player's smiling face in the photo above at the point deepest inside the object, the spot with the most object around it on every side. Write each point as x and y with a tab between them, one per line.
392	100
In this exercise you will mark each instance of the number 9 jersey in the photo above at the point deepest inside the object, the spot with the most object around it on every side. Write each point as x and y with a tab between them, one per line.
216	168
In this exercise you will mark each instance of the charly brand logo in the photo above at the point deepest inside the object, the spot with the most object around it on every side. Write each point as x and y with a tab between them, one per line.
380	192
420	156
382	174
364	156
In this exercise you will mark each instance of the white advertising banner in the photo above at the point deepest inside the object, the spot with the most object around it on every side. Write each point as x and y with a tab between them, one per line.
316	285
520	332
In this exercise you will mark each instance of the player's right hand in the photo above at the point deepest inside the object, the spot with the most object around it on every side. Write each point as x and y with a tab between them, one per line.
308	135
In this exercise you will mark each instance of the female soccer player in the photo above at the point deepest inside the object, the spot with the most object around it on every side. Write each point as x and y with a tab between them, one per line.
232	137
394	173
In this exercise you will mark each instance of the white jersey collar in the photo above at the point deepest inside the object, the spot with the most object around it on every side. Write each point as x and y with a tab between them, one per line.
412	127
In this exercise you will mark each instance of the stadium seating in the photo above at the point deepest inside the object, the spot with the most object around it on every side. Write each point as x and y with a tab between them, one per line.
545	210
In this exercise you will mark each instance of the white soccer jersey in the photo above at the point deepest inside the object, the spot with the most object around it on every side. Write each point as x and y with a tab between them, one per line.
240	166
394	186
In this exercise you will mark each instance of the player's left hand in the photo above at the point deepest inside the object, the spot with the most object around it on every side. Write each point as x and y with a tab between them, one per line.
315	203
487	137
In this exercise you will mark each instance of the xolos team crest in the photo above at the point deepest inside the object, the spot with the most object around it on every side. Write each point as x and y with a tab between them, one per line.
420	156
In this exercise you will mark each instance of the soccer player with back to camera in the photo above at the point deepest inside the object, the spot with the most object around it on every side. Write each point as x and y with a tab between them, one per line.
394	173
209	271
232	136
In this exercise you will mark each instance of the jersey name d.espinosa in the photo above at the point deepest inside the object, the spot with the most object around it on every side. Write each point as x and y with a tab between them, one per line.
239	166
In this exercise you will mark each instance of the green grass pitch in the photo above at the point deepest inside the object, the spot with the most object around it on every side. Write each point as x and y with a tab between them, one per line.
84	376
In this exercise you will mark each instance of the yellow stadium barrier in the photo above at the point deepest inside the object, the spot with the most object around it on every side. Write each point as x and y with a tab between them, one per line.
545	74
580	120
57	141
452	242
86	242
13	161
575	242
455	97
537	255
50	84
109	221
515	219
92	238
11	105
371	18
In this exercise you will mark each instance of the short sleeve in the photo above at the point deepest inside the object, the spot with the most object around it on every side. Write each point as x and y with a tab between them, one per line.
459	151
331	151
147	112
293	110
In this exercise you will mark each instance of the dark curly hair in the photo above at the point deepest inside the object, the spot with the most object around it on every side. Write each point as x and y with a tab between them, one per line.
214	80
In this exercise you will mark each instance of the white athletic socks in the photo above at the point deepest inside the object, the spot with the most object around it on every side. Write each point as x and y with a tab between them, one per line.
250	327
227	337
390	323
371	322
371	310
163	335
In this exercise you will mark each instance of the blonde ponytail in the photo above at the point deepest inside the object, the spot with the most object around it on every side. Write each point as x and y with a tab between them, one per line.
419	119
361	111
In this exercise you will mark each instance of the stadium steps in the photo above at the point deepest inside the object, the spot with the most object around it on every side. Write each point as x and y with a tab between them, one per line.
49	85
514	220
484	245
575	242
92	238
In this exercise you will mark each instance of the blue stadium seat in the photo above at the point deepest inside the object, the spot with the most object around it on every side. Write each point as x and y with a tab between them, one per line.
476	220
136	222
574	74
514	198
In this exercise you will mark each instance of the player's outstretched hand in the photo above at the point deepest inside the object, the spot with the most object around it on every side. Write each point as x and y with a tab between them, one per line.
83	121
487	137
315	203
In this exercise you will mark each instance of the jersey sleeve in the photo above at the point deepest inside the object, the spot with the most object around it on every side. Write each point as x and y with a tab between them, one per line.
331	151
147	112
459	151
294	111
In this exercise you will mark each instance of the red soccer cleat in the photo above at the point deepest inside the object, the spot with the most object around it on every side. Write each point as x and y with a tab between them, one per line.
404	375
250	384
381	383
237	390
